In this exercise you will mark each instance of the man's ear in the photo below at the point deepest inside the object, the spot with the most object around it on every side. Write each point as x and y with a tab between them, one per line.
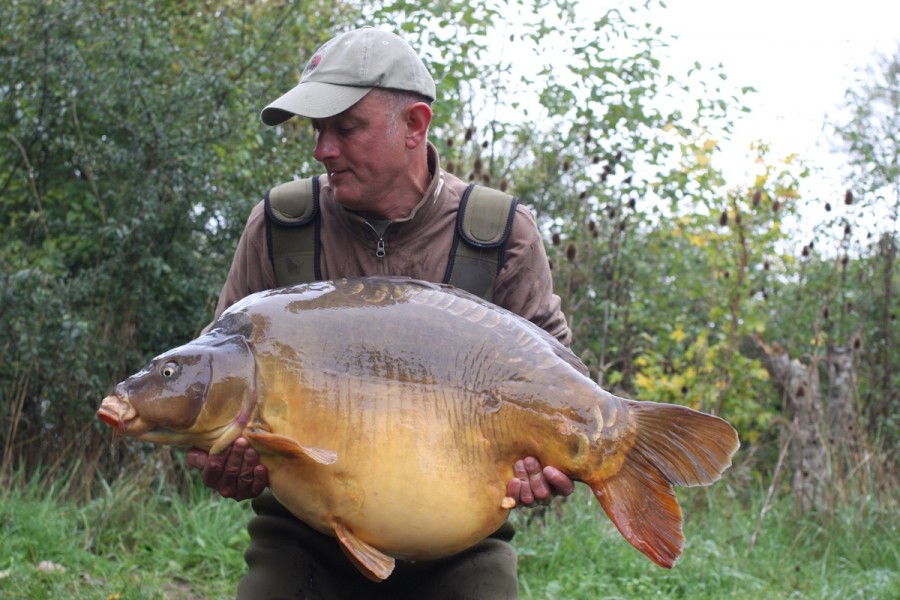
418	118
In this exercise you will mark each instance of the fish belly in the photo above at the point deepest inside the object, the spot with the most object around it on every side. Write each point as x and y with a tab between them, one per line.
413	479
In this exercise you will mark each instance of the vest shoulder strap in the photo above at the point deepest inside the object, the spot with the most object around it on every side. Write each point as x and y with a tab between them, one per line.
483	224
292	231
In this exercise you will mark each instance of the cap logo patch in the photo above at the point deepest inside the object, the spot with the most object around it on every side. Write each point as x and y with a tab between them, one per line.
313	64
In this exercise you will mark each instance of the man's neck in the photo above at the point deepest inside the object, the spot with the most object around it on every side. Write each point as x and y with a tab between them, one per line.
404	200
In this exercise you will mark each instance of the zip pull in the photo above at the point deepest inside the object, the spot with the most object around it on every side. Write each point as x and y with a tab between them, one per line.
378	229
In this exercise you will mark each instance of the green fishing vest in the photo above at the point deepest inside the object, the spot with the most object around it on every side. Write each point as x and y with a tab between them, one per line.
483	226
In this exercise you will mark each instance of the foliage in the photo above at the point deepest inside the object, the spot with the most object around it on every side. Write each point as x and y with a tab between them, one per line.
131	156
719	262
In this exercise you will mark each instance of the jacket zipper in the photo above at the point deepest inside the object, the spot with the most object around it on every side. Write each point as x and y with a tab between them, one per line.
380	248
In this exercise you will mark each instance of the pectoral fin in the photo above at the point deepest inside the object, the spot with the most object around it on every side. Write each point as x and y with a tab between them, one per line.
371	562
273	443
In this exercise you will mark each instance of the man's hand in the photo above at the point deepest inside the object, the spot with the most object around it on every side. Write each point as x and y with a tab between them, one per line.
534	484
234	473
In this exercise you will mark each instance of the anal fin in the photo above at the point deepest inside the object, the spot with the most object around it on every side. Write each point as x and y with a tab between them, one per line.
644	509
371	562
273	443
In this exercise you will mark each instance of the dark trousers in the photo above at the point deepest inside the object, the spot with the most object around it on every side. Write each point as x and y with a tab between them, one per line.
289	560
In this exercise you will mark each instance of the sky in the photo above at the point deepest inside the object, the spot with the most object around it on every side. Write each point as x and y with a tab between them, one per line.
800	55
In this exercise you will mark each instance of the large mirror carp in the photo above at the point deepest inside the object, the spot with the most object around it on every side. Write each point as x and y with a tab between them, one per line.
389	413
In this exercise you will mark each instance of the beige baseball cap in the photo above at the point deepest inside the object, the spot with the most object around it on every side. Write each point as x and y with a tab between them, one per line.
346	68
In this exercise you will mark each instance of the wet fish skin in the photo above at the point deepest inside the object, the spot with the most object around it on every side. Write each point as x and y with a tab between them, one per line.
389	413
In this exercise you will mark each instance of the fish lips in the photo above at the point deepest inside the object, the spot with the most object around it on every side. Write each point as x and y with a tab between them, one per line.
119	414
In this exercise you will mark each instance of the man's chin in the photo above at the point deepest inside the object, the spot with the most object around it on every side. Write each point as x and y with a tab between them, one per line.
345	197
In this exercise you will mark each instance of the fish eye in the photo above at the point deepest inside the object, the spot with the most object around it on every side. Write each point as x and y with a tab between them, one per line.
169	369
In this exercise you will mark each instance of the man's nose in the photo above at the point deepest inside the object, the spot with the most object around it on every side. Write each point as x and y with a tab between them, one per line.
326	148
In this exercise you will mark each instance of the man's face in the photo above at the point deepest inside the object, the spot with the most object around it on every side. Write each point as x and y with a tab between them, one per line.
364	152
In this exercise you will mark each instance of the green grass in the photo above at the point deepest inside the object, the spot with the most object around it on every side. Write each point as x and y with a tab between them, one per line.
134	541
137	540
573	551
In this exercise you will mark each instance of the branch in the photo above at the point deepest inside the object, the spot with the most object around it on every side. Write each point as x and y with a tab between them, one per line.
29	172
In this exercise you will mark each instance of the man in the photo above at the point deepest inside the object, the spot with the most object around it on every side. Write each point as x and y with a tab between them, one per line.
386	208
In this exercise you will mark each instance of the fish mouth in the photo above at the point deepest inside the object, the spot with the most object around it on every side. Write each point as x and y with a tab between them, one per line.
119	414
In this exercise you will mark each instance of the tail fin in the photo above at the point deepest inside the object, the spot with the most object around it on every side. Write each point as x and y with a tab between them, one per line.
675	446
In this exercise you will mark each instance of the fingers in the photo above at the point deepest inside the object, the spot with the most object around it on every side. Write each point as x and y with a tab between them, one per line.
559	481
533	484
514	488
521	485
536	481
528	486
229	476
196	458
234	473
259	482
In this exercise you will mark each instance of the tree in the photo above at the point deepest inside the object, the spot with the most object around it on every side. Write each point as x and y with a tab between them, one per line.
131	156
869	232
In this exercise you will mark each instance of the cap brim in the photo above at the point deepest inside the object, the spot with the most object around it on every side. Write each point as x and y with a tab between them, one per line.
313	99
